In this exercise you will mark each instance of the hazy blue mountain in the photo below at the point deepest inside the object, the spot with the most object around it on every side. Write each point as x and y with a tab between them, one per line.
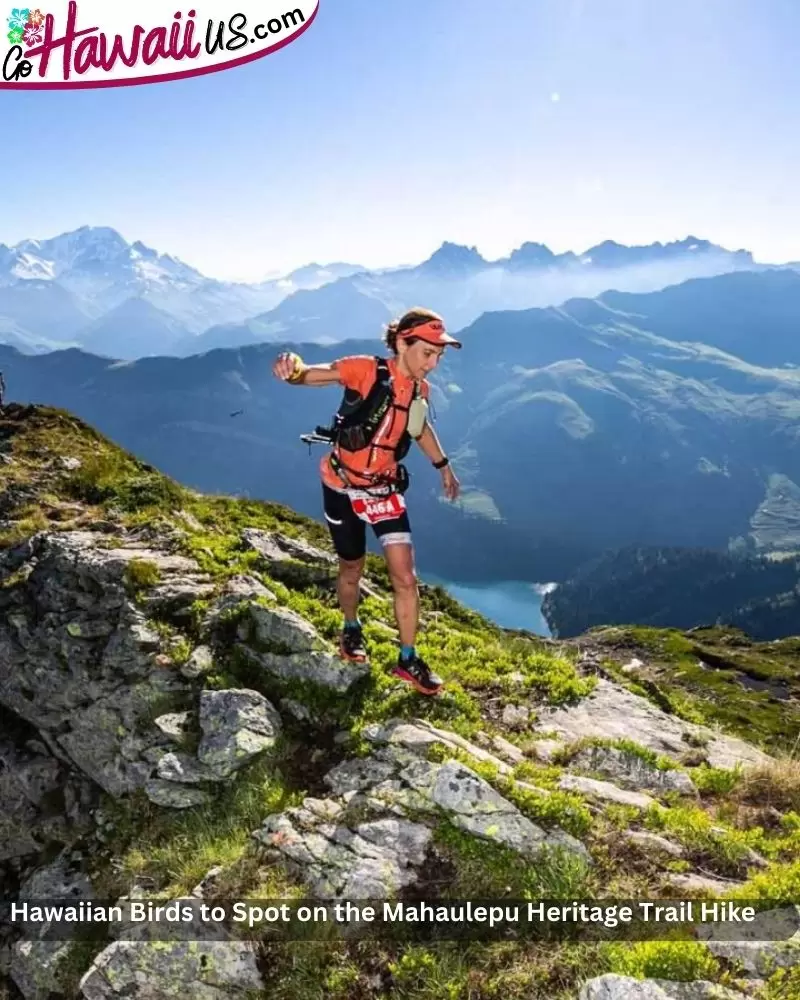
15	335
42	308
325	316
676	443
752	315
462	285
453	259
574	430
132	329
56	287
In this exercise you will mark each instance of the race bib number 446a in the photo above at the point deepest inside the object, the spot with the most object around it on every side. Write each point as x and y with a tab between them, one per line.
380	508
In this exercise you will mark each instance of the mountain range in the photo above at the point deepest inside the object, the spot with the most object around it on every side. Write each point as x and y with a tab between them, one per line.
91	288
660	419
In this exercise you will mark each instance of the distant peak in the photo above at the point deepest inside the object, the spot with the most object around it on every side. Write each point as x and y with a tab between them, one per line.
454	255
98	233
531	254
609	253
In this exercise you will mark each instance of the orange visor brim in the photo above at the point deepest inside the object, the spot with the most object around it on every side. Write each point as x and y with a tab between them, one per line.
432	333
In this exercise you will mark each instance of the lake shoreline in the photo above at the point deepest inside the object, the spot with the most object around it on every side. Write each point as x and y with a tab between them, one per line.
512	604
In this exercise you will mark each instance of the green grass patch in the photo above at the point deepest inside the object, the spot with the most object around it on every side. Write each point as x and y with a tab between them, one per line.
678	961
112	478
784	984
487	870
174	851
780	883
142	574
712	781
709	843
31	524
710	676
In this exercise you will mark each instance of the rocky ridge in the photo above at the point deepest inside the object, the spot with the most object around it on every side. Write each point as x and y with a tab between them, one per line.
177	725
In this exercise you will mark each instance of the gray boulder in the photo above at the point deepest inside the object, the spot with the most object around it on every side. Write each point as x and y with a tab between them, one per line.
193	959
629	770
614	987
604	791
283	628
319	668
174	796
237	726
235	591
275	547
34	967
769	943
612	712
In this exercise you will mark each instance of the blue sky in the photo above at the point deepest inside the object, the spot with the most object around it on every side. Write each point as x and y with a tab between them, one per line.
391	126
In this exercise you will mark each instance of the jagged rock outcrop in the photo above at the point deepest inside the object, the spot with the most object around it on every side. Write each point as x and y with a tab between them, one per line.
78	659
341	859
81	663
41	800
614	713
632	771
374	858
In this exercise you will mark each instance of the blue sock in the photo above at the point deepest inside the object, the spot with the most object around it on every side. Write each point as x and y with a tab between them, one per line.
355	623
406	652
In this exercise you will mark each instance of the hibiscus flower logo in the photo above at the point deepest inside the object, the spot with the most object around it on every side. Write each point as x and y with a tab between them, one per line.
25	25
19	19
33	34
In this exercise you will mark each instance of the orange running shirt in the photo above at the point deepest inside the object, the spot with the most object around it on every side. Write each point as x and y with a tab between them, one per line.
358	372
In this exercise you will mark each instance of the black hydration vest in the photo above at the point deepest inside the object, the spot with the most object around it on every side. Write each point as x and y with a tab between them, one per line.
357	420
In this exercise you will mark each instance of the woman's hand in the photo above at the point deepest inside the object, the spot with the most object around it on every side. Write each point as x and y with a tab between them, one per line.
285	365
450	483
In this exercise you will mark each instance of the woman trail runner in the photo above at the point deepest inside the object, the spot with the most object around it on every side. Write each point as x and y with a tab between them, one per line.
363	481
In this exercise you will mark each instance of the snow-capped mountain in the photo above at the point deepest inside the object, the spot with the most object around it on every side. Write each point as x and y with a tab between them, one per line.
94	289
101	270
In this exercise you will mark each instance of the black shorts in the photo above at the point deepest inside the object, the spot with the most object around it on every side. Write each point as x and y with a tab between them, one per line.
349	531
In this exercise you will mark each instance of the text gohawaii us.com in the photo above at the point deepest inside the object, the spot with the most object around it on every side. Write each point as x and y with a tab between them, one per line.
90	45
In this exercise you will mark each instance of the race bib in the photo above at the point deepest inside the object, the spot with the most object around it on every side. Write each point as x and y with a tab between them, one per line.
376	509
